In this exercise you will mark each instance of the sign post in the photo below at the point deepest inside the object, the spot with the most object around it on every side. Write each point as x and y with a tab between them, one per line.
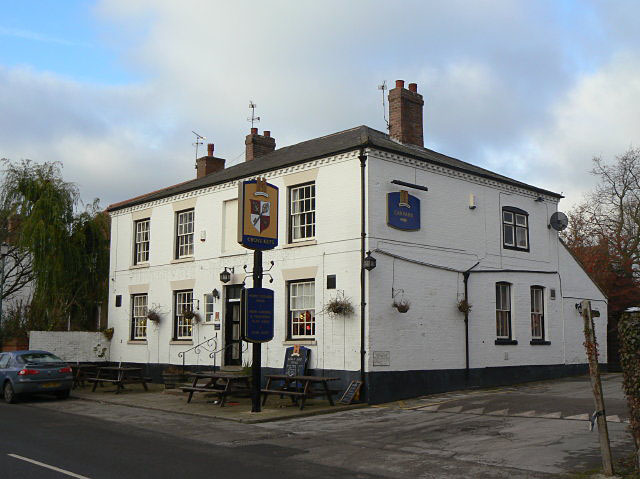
257	230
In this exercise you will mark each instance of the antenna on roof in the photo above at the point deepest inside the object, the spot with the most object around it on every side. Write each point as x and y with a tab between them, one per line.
253	118
383	87
199	141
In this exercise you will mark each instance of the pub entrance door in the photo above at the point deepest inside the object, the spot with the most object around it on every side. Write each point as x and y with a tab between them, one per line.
232	339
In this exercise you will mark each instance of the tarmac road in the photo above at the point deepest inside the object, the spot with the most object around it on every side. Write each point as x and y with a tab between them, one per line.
44	443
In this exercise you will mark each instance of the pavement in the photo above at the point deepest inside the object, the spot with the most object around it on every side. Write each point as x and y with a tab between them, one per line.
534	430
206	405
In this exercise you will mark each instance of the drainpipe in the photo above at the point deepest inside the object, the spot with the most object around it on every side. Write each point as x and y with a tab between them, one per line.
465	276
363	234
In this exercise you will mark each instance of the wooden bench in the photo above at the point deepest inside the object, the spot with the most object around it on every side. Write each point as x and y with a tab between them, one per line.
121	378
232	385
304	392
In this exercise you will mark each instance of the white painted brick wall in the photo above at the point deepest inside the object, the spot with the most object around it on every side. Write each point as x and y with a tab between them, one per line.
72	346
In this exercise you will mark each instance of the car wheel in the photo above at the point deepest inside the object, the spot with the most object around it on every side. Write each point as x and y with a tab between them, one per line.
9	393
63	394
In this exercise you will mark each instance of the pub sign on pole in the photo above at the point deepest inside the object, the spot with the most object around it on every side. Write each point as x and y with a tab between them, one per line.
403	211
257	320
257	214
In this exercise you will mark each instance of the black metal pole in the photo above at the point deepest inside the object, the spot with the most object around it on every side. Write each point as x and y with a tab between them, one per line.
363	234
256	368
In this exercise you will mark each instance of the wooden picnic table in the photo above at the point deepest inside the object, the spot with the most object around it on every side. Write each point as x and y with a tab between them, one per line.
119	376
298	387
218	383
82	372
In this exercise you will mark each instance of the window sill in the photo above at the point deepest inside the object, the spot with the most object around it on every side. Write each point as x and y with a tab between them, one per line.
183	260
506	342
514	248
139	266
539	342
300	243
181	342
301	342
137	341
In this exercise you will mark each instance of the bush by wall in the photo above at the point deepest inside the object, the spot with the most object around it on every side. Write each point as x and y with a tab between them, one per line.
629	330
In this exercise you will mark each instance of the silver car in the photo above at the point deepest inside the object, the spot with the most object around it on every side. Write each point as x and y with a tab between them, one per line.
28	372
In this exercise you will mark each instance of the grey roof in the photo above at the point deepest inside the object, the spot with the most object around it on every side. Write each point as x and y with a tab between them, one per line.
348	140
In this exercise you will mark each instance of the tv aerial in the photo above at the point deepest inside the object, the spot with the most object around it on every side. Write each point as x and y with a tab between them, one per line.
558	221
383	87
199	141
253	118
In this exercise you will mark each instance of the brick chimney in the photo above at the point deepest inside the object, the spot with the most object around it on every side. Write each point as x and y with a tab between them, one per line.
405	114
206	165
258	145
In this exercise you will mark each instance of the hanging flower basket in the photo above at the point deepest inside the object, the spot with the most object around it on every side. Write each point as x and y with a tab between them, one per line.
191	315
464	306
153	315
339	306
402	305
108	333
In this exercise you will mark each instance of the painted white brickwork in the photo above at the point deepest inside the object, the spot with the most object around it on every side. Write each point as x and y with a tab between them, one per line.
425	267
72	346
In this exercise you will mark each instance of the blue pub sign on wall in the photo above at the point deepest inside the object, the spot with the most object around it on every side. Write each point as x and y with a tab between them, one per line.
403	211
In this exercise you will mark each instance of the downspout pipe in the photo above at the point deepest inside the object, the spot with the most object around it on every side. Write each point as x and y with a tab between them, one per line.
465	277
363	235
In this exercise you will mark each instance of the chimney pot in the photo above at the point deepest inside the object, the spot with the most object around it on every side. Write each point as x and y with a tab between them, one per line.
210	149
258	145
254	131
405	114
267	133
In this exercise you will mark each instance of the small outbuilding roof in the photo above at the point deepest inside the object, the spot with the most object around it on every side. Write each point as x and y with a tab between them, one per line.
343	141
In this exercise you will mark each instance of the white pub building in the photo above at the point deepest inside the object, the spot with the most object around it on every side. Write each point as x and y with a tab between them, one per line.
455	274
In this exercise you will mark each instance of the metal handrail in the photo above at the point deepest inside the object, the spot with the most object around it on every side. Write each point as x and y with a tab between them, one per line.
209	343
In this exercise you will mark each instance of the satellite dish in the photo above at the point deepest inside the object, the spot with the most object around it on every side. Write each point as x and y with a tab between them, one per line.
559	221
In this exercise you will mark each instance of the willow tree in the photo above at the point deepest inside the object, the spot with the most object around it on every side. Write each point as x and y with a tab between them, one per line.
68	244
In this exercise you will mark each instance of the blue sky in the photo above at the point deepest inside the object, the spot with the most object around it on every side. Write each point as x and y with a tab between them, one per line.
112	89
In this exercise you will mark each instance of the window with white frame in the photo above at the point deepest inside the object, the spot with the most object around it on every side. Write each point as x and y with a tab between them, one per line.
537	312
141	247
183	327
139	316
208	308
302	212
184	233
302	309
503	310
515	228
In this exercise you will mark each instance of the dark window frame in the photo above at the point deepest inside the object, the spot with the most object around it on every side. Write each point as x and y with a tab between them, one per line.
288	317
290	239
515	211
505	339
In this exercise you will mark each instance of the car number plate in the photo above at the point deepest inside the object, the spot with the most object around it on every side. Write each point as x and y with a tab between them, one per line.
51	385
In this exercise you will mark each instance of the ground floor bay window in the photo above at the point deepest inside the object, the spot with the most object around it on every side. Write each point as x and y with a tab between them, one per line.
183	327
302	309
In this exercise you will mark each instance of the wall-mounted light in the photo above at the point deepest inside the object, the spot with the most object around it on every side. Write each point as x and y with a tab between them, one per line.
369	262
225	276
215	294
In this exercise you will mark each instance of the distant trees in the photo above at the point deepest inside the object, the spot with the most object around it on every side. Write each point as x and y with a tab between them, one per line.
65	247
604	230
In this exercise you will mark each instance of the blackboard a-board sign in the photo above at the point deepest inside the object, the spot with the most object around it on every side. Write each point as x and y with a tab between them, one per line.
350	392
296	360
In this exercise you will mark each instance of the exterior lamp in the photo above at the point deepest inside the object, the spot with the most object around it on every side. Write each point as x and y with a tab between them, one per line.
225	276
215	294
369	262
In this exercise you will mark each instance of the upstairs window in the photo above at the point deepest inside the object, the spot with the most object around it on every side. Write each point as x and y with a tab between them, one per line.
139	316
503	311
184	234
141	246
537	312
302	212
515	228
